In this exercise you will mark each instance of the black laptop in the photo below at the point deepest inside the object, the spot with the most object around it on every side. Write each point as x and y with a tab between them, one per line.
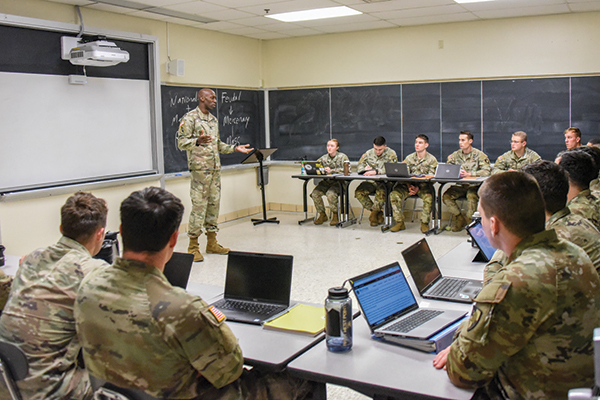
429	280
314	168
486	250
257	286
397	170
391	310
177	269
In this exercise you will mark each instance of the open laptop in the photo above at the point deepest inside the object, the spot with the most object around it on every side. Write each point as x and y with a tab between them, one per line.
314	168
429	280
177	269
447	171
486	250
397	170
390	308
257	286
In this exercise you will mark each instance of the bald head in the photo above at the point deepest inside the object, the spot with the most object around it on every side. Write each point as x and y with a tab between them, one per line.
207	100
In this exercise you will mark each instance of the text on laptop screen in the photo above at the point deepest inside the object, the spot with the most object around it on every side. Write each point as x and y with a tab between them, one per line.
421	264
258	277
383	295
477	233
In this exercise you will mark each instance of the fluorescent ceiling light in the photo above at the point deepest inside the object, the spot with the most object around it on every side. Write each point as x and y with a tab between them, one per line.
471	1
317	13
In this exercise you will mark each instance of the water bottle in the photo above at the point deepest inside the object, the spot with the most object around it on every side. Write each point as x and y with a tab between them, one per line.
302	170
346	168
338	311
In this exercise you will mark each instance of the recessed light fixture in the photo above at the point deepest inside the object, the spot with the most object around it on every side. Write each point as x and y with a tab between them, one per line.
317	13
471	1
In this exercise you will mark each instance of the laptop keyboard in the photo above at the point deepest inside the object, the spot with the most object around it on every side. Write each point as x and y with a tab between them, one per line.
414	321
251	307
448	287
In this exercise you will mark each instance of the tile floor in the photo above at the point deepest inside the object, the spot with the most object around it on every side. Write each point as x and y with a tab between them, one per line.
324	256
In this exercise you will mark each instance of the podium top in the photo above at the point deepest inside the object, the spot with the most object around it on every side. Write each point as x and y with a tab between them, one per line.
258	155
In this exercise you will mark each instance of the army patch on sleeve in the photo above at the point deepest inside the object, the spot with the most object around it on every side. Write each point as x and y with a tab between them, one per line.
475	317
218	314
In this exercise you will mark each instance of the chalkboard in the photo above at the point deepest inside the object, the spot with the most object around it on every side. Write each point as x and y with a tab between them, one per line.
359	114
461	111
299	122
540	107
421	114
585	106
240	114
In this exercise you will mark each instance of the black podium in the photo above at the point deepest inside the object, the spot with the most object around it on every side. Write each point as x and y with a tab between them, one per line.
259	155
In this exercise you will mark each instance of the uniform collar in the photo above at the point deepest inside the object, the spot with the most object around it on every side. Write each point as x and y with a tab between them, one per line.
544	236
558	215
73	244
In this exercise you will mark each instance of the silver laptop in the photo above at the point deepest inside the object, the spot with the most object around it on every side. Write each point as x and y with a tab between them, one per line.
177	269
429	280
447	171
257	286
391	310
397	170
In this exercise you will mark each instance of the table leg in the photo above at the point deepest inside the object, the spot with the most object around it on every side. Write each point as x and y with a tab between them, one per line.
345	219
387	223
304	200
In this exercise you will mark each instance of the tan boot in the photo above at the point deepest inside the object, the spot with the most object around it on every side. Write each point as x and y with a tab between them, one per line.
194	248
212	247
458	223
398	227
380	217
322	217
373	218
424	227
334	220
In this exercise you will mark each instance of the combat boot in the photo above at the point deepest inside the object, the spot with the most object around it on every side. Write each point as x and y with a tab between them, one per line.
212	247
380	217
373	217
322	217
194	248
334	220
424	227
398	227
458	223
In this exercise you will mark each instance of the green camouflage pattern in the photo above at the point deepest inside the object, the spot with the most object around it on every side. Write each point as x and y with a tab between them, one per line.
38	318
510	160
579	231
595	187
416	166
586	205
5	284
204	163
476	163
139	331
531	326
365	189
329	187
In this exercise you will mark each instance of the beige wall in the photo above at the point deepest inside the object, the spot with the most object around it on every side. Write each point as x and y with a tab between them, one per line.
510	47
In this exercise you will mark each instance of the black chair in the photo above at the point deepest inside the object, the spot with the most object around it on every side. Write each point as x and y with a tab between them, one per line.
107	391
13	366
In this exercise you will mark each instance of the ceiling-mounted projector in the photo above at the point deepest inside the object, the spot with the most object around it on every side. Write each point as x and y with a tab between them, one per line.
99	53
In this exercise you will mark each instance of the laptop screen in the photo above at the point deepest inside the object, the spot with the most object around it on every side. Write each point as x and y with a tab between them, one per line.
478	235
259	277
422	265
177	269
383	294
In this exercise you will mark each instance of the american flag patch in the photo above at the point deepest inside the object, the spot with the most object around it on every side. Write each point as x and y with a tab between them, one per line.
218	314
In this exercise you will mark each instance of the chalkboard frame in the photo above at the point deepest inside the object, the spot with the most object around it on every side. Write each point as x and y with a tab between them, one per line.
100	180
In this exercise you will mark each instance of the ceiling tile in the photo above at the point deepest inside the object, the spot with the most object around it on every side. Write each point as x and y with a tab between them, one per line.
522	11
289	6
195	7
400	5
434	19
420	12
361	26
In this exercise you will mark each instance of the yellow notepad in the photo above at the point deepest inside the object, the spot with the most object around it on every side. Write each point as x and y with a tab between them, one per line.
302	318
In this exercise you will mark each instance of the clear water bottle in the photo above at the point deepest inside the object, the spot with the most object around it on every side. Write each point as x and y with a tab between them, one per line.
338	310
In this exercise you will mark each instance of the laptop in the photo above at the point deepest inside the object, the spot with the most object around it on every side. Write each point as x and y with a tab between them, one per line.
177	269
397	170
447	171
314	168
486	250
391	310
429	280
257	286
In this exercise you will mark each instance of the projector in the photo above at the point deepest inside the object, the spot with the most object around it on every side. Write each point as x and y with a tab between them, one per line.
97	54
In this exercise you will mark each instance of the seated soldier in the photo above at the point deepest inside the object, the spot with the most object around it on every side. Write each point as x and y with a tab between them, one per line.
530	334
38	316
137	331
554	184
582	171
517	157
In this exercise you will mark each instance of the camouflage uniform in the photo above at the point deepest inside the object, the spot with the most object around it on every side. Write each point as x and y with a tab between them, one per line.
586	205
510	160
205	169
5	284
530	332
39	319
477	164
367	188
139	331
595	187
329	187
577	230
416	166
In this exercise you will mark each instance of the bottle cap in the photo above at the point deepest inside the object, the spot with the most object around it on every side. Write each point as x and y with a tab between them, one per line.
339	292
